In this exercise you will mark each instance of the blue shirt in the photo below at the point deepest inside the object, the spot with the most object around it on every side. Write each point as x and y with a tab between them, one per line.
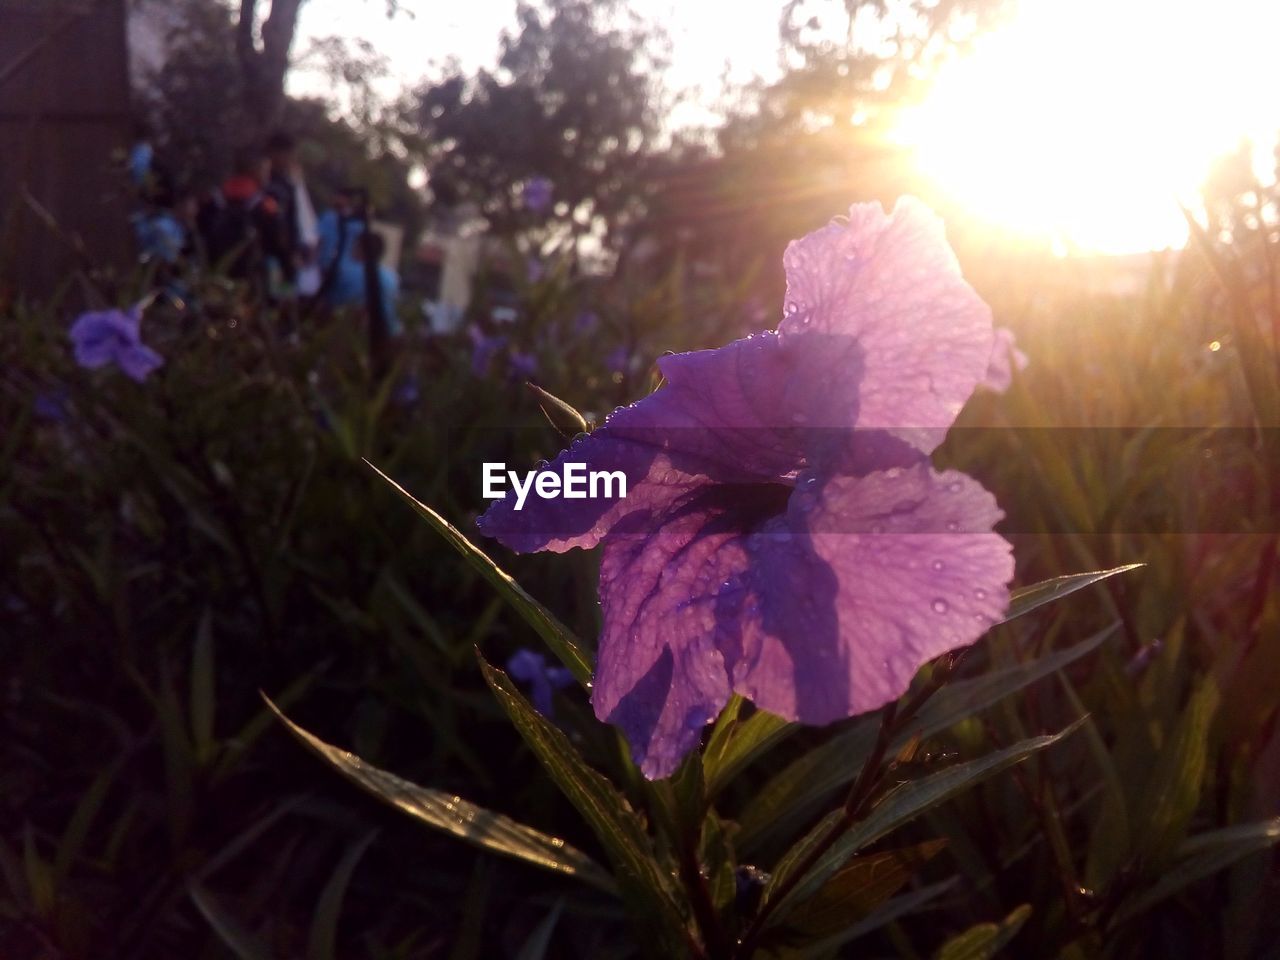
348	290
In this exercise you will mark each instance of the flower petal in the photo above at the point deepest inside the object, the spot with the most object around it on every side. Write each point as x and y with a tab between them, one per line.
711	422
661	674
862	582
1005	358
890	288
138	361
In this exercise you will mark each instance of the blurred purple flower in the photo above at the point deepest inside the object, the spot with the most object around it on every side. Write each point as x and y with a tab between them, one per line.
114	336
586	323
534	269
483	349
522	366
530	669
52	406
1005	357
1141	660
537	194
618	360
783	534
407	392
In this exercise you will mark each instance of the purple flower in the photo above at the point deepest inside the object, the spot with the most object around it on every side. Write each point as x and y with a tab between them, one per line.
586	323
531	669
783	534
618	359
522	366
407	392
1005	357
537	194
114	336
52	406
483	349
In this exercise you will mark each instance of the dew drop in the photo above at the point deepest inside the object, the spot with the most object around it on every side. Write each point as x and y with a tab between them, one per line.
954	486
937	565
953	526
939	606
980	594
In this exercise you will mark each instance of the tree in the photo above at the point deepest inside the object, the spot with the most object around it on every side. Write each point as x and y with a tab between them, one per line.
263	43
574	99
800	148
264	59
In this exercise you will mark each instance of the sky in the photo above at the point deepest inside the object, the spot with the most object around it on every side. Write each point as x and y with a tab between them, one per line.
1083	122
706	36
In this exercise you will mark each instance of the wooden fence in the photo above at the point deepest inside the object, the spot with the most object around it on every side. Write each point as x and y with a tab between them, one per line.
64	112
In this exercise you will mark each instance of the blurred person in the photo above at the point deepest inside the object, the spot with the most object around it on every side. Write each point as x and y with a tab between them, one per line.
370	249
287	185
242	227
338	229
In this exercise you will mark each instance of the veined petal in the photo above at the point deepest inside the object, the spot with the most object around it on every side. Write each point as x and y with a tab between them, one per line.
716	421
862	582
671	594
890	287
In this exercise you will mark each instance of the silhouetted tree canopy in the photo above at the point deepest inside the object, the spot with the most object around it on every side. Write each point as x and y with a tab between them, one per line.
574	98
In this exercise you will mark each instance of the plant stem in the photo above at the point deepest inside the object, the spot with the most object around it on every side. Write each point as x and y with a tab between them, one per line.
854	805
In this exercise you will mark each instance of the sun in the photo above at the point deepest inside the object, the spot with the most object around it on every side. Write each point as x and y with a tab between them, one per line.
1087	122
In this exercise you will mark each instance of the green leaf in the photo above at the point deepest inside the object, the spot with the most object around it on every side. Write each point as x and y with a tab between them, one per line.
985	940
535	948
736	742
557	636
643	880
810	782
452	814
1172	792
39	875
77	831
1201	856
238	940
323	937
882	916
901	805
203	693
859	888
716	854
1025	599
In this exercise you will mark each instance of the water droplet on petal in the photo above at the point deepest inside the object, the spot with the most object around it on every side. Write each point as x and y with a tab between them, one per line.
980	594
937	565
953	525
940	606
